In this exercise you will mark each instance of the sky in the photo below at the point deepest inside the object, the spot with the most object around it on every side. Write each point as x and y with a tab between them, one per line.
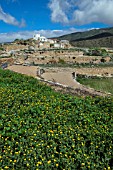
21	19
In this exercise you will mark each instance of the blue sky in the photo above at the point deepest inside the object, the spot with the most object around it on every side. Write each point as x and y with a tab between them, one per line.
23	18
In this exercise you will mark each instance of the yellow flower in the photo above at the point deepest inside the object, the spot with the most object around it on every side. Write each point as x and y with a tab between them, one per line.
49	162
14	160
39	163
27	164
51	131
56	165
16	152
6	167
83	164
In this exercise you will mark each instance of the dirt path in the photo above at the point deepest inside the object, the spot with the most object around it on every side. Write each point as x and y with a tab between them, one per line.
64	77
28	70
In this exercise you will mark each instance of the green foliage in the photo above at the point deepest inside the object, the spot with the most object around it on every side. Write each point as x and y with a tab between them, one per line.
61	61
96	52
102	84
1	48
51	45
111	57
42	129
5	56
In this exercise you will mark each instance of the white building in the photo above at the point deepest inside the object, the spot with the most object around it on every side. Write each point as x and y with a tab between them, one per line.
40	38
36	36
57	45
43	39
64	41
51	41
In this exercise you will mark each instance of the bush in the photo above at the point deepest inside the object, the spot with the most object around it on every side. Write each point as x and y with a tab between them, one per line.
61	61
96	52
1	48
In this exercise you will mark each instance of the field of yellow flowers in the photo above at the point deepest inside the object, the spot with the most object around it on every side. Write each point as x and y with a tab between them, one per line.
42	129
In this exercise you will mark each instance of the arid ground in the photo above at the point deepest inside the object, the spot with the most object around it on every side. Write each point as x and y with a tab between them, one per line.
61	75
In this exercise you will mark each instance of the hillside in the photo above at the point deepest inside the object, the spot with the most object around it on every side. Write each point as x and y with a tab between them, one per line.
93	38
97	42
42	129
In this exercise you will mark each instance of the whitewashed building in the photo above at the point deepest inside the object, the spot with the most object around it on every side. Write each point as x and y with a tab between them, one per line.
57	45
40	38
51	41
36	36
43	39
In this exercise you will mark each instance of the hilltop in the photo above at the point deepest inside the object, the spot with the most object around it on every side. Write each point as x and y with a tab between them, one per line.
92	38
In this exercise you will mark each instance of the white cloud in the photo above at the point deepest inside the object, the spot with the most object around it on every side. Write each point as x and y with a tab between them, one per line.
9	37
8	19
81	12
58	8
94	11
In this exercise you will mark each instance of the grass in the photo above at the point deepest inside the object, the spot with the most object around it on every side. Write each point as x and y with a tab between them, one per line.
103	84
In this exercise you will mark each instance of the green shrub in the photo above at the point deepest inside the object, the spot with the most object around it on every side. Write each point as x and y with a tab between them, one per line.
1	48
61	61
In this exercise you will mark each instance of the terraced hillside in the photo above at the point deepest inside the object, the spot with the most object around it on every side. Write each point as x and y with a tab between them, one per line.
42	129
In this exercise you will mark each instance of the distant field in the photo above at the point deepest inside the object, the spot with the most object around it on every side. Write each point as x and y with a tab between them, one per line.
103	84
